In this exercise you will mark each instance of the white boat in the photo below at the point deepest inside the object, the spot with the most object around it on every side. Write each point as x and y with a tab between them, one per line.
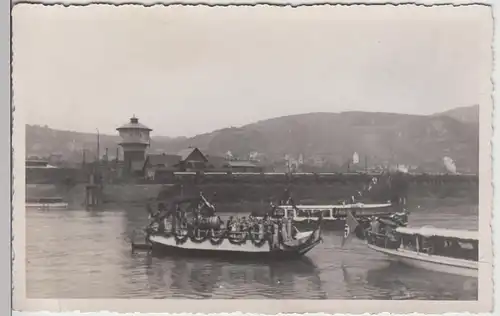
441	250
300	213
46	203
334	216
202	233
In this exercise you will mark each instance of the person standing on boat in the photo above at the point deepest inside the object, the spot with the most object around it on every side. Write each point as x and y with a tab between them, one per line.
160	216
274	211
150	211
153	215
286	197
375	225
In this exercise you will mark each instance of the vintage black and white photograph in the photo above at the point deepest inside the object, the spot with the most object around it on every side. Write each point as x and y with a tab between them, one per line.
261	154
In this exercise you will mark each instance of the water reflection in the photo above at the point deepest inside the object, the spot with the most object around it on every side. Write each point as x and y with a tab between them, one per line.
84	254
212	278
397	281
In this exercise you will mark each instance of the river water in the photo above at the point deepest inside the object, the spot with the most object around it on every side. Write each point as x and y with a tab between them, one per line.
85	254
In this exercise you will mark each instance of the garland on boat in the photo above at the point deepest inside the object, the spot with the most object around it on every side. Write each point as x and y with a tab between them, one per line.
180	239
249	233
216	238
205	226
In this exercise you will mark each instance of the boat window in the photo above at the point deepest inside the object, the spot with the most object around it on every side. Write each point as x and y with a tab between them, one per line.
456	248
466	245
279	212
427	244
326	213
409	242
303	213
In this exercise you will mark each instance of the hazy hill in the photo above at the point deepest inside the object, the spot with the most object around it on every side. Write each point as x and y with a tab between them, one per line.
43	141
467	114
332	137
382	137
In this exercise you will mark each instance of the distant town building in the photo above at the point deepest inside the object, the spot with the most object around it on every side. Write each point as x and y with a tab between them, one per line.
158	163
216	163
135	141
192	159
189	159
229	155
243	166
256	156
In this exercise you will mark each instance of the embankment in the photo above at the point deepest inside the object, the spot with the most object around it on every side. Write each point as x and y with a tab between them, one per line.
114	194
263	193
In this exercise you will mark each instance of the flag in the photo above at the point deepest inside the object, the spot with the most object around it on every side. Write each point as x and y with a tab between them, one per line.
350	226
205	202
149	210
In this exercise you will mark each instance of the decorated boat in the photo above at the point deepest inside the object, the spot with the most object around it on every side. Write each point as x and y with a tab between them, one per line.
435	249
46	203
192	227
334	215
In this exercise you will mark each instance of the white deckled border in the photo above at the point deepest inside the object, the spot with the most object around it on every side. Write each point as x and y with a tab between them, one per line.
256	306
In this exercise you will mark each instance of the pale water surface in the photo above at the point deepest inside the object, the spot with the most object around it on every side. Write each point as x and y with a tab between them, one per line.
84	254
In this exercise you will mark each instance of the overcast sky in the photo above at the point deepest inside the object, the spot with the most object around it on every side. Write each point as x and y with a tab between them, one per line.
190	70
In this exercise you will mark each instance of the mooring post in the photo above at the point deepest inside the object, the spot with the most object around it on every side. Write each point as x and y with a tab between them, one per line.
86	197
93	192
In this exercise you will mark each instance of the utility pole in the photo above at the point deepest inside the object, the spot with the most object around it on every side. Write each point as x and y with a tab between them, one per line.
98	144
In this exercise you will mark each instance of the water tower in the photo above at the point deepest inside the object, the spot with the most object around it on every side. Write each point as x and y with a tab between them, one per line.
135	141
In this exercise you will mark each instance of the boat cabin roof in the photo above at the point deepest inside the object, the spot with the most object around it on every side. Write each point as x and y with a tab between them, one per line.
337	206
439	232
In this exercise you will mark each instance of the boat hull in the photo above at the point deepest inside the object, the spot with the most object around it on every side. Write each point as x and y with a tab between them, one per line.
433	263
169	245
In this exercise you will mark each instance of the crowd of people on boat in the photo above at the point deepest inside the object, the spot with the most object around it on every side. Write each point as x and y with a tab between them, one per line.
382	231
200	215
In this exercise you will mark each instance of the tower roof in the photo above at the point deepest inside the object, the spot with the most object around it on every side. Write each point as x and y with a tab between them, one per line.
134	124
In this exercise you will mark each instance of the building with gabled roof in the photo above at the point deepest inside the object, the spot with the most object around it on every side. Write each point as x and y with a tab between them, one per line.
156	163
192	159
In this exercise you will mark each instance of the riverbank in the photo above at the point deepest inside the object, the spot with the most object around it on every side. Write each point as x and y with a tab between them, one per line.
262	193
